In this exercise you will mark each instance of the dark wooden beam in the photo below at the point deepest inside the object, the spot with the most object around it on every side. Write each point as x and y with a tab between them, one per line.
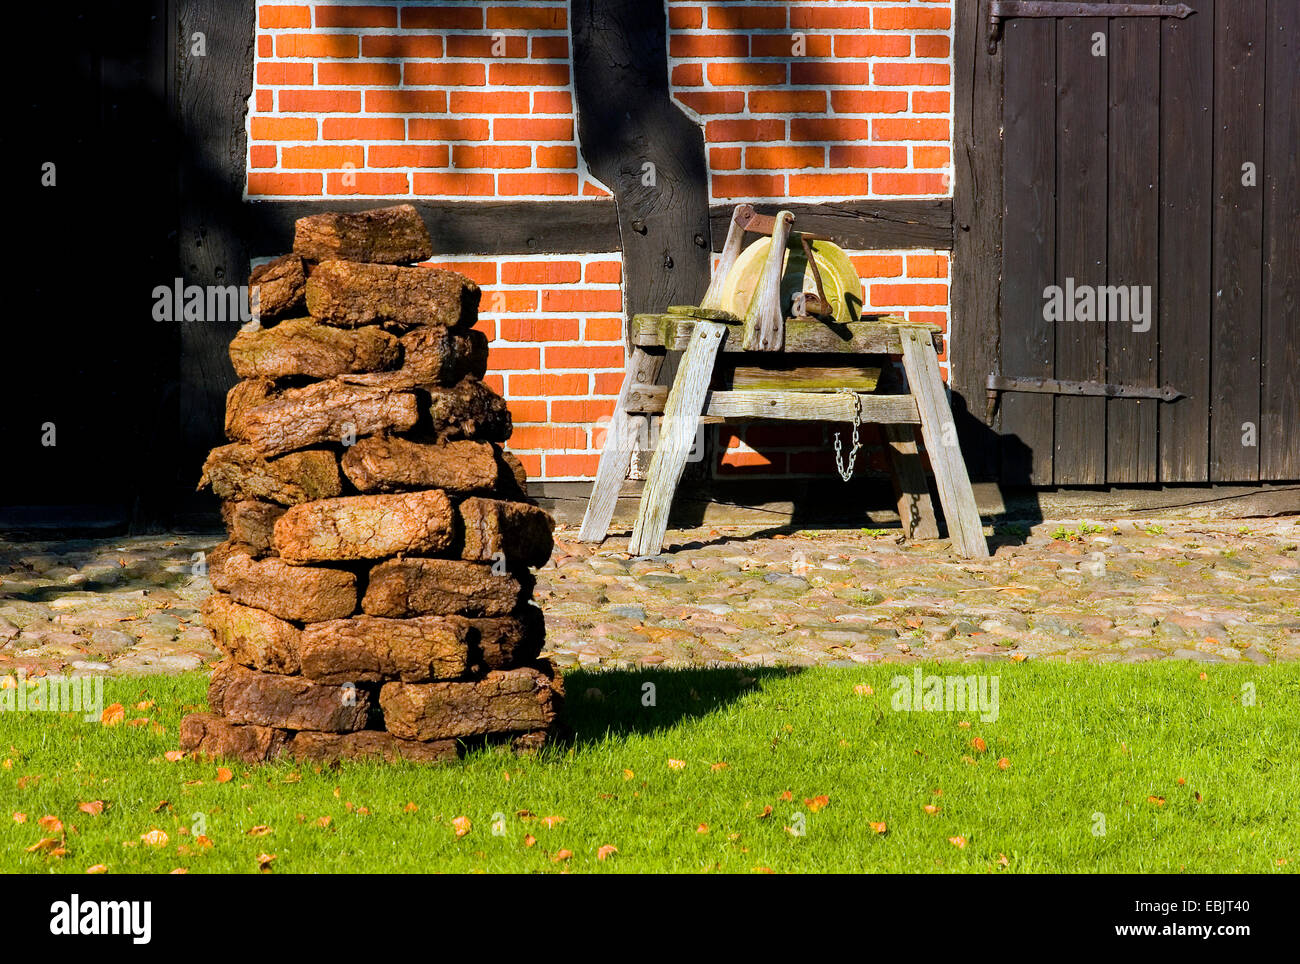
860	225
460	227
975	295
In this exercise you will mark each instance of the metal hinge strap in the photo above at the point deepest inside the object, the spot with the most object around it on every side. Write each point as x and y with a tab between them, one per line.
1057	386
1000	10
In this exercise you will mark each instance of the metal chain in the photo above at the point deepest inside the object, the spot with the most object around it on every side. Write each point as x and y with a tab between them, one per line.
847	474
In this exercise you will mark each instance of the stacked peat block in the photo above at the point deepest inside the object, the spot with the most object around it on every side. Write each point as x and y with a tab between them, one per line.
374	595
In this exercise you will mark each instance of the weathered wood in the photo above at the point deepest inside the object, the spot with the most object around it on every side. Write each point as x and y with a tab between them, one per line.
940	435
730	252
250	523
388	464
1279	427
278	288
620	441
863	224
390	235
810	406
442	587
977	231
368	649
291	702
365	527
517	700
251	637
1186	190
212	735
496	530
764	328
443	356
647	398
327	412
808	378
879	336
236	473
915	508
300	346
1028	245
297	593
349	294
676	435
1133	246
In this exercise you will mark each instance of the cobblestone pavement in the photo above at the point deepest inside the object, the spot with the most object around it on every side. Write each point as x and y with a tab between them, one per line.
1097	590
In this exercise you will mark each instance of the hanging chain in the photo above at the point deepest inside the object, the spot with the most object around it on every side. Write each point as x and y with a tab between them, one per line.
847	473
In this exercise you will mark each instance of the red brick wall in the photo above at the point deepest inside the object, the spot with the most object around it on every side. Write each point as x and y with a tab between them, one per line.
810	100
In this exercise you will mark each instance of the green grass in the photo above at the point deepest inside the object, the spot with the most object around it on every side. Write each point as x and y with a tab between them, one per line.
1080	740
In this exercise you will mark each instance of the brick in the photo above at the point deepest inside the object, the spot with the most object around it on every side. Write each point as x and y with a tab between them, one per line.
528	75
320	101
452	184
371	16
480	47
283	129
514	359
364	182
605	272
586	411
281	75
603	329
359	75
910	75
867	155
402	46
562	157
748	185
860	45
746	75
265	101
778	158
849	185
868	101
888	295
913	17
550	438
745	131
931	101
442	18
550	48
787	101
479	272
724	158
444	74
488	102
449	129
548	184
685	18
783	45
878	265
294	45
552	102
421	155
585	357
927	46
523	411
909	129
591	189
829	129
513	17
538	329
607	383
363	129
265	45
406	101
927	266
909	183
283	18
728	18
713	101
923	157
513	302
688	75
738	459
491	157
531	129
571	300
541	272
783	436
571	465
262	155
297	184
825	16
320	158
496	383
830	74
543	385
710	45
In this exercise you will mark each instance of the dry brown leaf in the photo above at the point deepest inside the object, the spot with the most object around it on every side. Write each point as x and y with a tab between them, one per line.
767	812
224	775
1158	801
97	869
958	842
702	828
51	824
878	826
45	843
173	756
931	809
715	767
787	795
561	855
411	807
144	705
324	821
628	774
862	689
605	851
816	803
552	822
1004	764
113	715
261	830
92	807
529	840
462	826
203	841
676	764
154	838
264	862
20	817
978	744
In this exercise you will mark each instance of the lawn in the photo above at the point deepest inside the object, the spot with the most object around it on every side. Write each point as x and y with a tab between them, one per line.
1162	767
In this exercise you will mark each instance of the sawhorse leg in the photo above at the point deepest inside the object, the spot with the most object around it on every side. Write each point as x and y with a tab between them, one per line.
940	435
676	434
915	507
616	455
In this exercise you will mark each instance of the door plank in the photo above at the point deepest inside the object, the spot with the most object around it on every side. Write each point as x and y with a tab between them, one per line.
1081	170
1186	190
1279	430
1028	243
1133	244
1238	230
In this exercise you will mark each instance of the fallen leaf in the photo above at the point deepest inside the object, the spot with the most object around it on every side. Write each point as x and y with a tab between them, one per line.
718	766
787	795
173	756
92	807
45	843
1206	675
97	869
224	775
552	822
202	841
605	851
978	744
1281	861
154	838
462	826
964	724
264	862
113	715
767	812
1181	782
51	823
561	855
178	870
764	870
676	764
816	803
628	774
702	828
862	689
529	840
261	830
1002	860
958	842
144	705
1004	764
1158	801
878	826
411	807
324	821
931	809
20	817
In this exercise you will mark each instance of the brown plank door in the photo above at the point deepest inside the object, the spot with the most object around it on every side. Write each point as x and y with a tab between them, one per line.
1151	237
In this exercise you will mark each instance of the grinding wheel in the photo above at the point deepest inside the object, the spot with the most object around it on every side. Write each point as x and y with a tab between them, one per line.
839	279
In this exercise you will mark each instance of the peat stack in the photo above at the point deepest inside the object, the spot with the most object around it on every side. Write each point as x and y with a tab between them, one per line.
374	595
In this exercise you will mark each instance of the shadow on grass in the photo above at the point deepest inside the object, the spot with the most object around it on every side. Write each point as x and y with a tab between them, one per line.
618	703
